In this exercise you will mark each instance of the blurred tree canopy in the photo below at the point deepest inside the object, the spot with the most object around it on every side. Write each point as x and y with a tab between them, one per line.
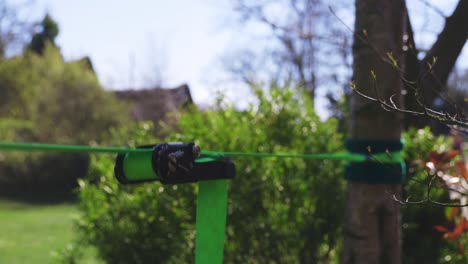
63	100
304	43
49	30
305	46
46	99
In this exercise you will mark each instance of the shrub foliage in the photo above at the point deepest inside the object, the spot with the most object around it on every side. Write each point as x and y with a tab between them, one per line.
280	210
45	99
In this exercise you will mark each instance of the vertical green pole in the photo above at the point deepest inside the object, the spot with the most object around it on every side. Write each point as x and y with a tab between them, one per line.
211	221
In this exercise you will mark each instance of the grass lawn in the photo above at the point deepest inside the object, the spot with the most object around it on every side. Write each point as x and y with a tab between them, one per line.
31	233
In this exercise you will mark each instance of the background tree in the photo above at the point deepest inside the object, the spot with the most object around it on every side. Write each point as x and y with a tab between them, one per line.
50	92
307	46
45	99
304	47
455	101
14	32
48	31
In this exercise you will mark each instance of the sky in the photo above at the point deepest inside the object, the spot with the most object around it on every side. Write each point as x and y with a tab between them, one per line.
134	44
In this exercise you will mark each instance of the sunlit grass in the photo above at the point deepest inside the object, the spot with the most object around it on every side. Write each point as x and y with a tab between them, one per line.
32	233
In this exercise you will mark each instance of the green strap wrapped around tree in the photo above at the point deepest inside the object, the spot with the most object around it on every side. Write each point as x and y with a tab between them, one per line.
382	168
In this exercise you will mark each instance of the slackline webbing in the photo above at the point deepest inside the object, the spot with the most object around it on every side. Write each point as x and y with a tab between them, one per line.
65	148
212	195
388	157
211	221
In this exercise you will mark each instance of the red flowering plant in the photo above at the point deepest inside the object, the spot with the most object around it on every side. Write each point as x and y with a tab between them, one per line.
450	169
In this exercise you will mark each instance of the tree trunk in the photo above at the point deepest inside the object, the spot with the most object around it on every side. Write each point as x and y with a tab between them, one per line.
372	223
412	68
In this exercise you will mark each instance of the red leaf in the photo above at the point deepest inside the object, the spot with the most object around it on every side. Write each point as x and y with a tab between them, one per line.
434	157
458	231
461	248
453	212
461	169
441	229
452	235
462	224
442	158
447	156
465	222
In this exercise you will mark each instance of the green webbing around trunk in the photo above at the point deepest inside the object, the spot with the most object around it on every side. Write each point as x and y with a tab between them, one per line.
211	221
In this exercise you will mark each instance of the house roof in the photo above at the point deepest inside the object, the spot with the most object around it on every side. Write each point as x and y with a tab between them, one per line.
155	103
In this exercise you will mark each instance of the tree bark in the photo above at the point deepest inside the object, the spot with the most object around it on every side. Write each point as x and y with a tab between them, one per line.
412	68
372	224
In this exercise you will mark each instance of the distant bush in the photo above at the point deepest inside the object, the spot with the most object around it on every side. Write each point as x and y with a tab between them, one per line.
63	101
280	210
45	99
42	177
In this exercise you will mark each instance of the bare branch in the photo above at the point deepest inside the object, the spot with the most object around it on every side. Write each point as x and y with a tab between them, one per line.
428	113
433	8
420	82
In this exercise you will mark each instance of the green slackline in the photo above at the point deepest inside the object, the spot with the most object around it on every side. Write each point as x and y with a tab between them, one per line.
66	148
212	195
389	157
211	221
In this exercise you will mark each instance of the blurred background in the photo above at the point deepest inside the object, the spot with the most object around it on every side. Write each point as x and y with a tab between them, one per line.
232	75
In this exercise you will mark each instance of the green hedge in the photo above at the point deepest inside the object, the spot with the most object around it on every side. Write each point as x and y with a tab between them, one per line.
280	210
